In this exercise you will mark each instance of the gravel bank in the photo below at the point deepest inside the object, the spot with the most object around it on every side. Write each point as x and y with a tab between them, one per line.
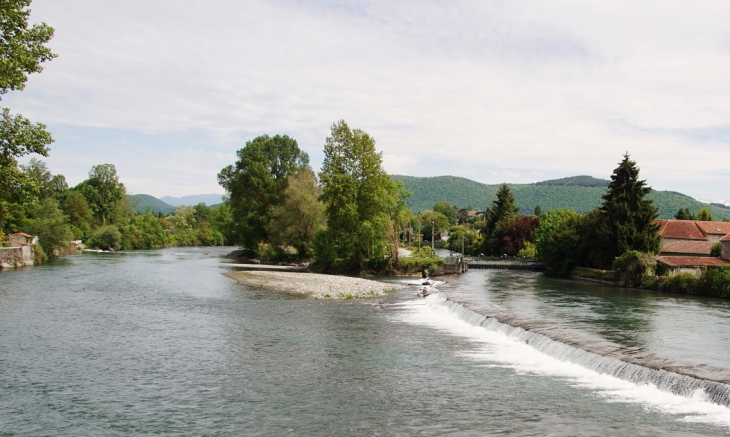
316	285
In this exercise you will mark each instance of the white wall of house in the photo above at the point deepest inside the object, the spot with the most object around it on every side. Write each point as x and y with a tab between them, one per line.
725	250
694	270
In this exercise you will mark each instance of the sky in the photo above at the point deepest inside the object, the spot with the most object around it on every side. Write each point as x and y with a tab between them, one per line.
493	90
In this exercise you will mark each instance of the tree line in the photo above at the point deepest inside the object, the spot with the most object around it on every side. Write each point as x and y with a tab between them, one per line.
98	212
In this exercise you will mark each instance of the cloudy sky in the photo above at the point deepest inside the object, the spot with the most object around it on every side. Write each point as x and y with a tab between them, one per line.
496	91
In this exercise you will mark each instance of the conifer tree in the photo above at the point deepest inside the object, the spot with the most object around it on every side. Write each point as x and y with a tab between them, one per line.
500	215
626	216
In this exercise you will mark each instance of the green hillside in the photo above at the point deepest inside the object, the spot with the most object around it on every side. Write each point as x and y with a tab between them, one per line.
142	201
581	193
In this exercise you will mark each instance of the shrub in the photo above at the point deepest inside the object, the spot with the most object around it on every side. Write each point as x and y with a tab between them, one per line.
680	283
105	238
716	250
632	266
527	252
714	281
39	255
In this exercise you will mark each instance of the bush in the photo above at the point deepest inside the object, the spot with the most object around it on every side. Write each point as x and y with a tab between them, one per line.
632	266
714	281
105	238
680	283
39	256
716	250
527	252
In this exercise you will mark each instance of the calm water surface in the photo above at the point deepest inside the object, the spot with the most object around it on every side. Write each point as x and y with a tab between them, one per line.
160	342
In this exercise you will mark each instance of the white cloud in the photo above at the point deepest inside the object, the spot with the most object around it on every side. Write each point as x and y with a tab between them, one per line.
495	91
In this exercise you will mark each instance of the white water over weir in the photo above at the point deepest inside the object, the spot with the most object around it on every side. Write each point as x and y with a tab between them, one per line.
682	385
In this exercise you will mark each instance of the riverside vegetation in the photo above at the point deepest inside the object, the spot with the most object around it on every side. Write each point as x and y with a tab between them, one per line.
352	217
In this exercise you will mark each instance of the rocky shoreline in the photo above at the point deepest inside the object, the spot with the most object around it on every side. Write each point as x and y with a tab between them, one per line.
315	285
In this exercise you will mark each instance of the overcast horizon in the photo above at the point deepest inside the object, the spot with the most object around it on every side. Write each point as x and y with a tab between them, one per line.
492	91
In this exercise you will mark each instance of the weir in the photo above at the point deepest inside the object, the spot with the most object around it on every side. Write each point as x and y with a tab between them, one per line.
505	265
683	385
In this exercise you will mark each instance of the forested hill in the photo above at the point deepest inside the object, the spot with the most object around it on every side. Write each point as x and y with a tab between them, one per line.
142	201
581	193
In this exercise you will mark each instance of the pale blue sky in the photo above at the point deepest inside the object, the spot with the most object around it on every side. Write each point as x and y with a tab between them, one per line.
495	91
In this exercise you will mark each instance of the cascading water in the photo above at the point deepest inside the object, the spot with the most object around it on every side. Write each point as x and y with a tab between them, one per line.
682	385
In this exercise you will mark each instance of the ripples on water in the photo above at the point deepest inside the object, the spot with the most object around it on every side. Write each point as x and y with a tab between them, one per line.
160	342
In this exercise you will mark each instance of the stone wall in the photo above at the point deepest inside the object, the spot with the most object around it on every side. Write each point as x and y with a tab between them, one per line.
16	256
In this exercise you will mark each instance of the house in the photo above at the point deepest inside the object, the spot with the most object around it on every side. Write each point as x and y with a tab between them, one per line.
687	248
714	231
725	247
21	251
20	239
690	264
686	245
674	231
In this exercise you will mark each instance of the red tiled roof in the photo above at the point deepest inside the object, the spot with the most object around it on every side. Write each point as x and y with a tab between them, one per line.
695	247
22	234
714	228
725	238
680	229
693	261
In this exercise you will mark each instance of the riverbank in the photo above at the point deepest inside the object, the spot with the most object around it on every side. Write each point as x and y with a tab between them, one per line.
315	285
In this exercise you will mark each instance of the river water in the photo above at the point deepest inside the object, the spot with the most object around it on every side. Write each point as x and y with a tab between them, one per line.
160	342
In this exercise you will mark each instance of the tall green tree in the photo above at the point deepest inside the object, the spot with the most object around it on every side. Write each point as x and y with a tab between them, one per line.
684	214
550	221
704	215
50	225
256	183
22	51
301	216
103	191
626	216
359	198
448	210
498	217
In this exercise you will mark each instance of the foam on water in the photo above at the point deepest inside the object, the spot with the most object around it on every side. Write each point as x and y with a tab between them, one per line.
498	344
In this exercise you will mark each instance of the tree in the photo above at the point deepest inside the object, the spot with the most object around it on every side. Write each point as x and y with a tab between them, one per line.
704	215
626	217
518	233
103	191
538	211
301	216
50	225
359	200
79	214
22	51
440	222
37	172
684	214
447	210
500	215
550	221
256	183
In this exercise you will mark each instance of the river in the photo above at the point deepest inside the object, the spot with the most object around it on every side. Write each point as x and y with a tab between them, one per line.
160	342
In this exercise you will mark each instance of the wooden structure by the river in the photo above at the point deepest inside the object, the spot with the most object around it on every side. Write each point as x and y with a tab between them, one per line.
505	265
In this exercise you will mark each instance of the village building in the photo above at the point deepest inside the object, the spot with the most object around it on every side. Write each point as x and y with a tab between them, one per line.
20	239
725	247
21	251
687	244
690	264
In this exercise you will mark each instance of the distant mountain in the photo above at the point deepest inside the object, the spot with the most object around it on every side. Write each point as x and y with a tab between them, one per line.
581	193
142	201
192	200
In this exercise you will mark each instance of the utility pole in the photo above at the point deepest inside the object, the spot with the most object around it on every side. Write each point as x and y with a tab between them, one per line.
462	245
432	240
